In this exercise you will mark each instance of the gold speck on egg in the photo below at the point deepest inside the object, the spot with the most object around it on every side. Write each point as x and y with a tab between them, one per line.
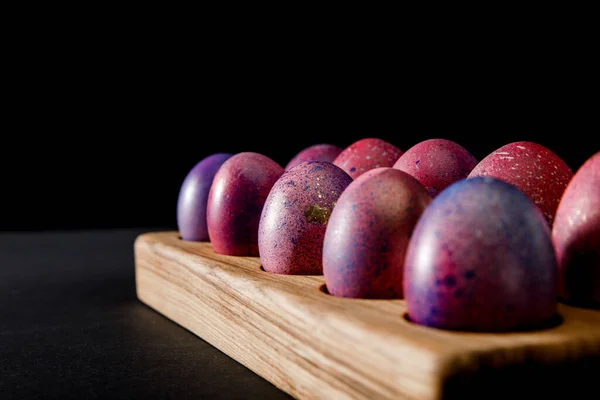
318	214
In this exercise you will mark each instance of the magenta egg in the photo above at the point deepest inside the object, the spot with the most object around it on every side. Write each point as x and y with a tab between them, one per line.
295	216
436	163
235	201
317	152
366	154
368	234
576	236
193	198
481	259
532	168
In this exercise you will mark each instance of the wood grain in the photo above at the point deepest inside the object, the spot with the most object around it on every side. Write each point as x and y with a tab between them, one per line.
312	345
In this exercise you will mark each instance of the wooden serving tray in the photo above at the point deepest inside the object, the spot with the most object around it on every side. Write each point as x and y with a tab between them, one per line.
313	345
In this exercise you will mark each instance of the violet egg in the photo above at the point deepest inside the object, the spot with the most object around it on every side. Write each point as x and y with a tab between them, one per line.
366	154
193	197
481	259
235	201
532	168
295	215
316	152
368	233
576	236
436	163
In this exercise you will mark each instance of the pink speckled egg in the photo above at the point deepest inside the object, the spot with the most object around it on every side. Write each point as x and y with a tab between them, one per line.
316	152
532	168
481	259
366	154
576	236
235	202
368	233
436	163
295	215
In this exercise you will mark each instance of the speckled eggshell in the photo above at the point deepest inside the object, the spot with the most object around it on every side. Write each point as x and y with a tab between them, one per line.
368	233
481	259
576	236
437	163
366	154
235	202
193	198
295	216
317	152
531	167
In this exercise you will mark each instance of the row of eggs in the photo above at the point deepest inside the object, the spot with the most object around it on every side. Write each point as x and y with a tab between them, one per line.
480	246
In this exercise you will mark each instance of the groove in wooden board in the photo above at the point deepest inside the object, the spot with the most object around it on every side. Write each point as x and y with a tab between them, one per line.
279	297
307	352
292	349
362	347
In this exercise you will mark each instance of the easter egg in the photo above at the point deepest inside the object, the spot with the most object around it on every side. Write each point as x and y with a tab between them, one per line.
366	154
576	236
368	233
317	152
436	163
295	215
193	198
235	201
481	259
532	168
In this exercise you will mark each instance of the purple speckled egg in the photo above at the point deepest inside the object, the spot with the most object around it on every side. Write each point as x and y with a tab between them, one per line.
368	233
193	197
366	154
316	152
436	163
295	216
481	259
532	168
235	201
576	236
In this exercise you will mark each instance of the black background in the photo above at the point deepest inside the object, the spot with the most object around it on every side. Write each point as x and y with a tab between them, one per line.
99	179
104	120
110	157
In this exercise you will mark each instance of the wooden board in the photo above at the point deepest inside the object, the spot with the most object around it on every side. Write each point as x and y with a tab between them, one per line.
312	345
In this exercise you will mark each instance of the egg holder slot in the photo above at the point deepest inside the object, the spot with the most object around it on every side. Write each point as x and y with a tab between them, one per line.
312	345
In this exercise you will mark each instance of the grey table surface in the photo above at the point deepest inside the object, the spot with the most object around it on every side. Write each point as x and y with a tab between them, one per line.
71	326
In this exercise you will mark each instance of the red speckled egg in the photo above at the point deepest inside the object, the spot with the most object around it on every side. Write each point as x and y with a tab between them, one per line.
295	215
368	233
436	163
317	152
532	168
576	236
481	259
366	154
235	201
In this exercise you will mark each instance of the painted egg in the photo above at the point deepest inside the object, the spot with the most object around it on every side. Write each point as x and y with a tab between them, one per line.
481	259
193	197
576	236
366	154
532	168
317	152
436	163
235	201
295	215
368	233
